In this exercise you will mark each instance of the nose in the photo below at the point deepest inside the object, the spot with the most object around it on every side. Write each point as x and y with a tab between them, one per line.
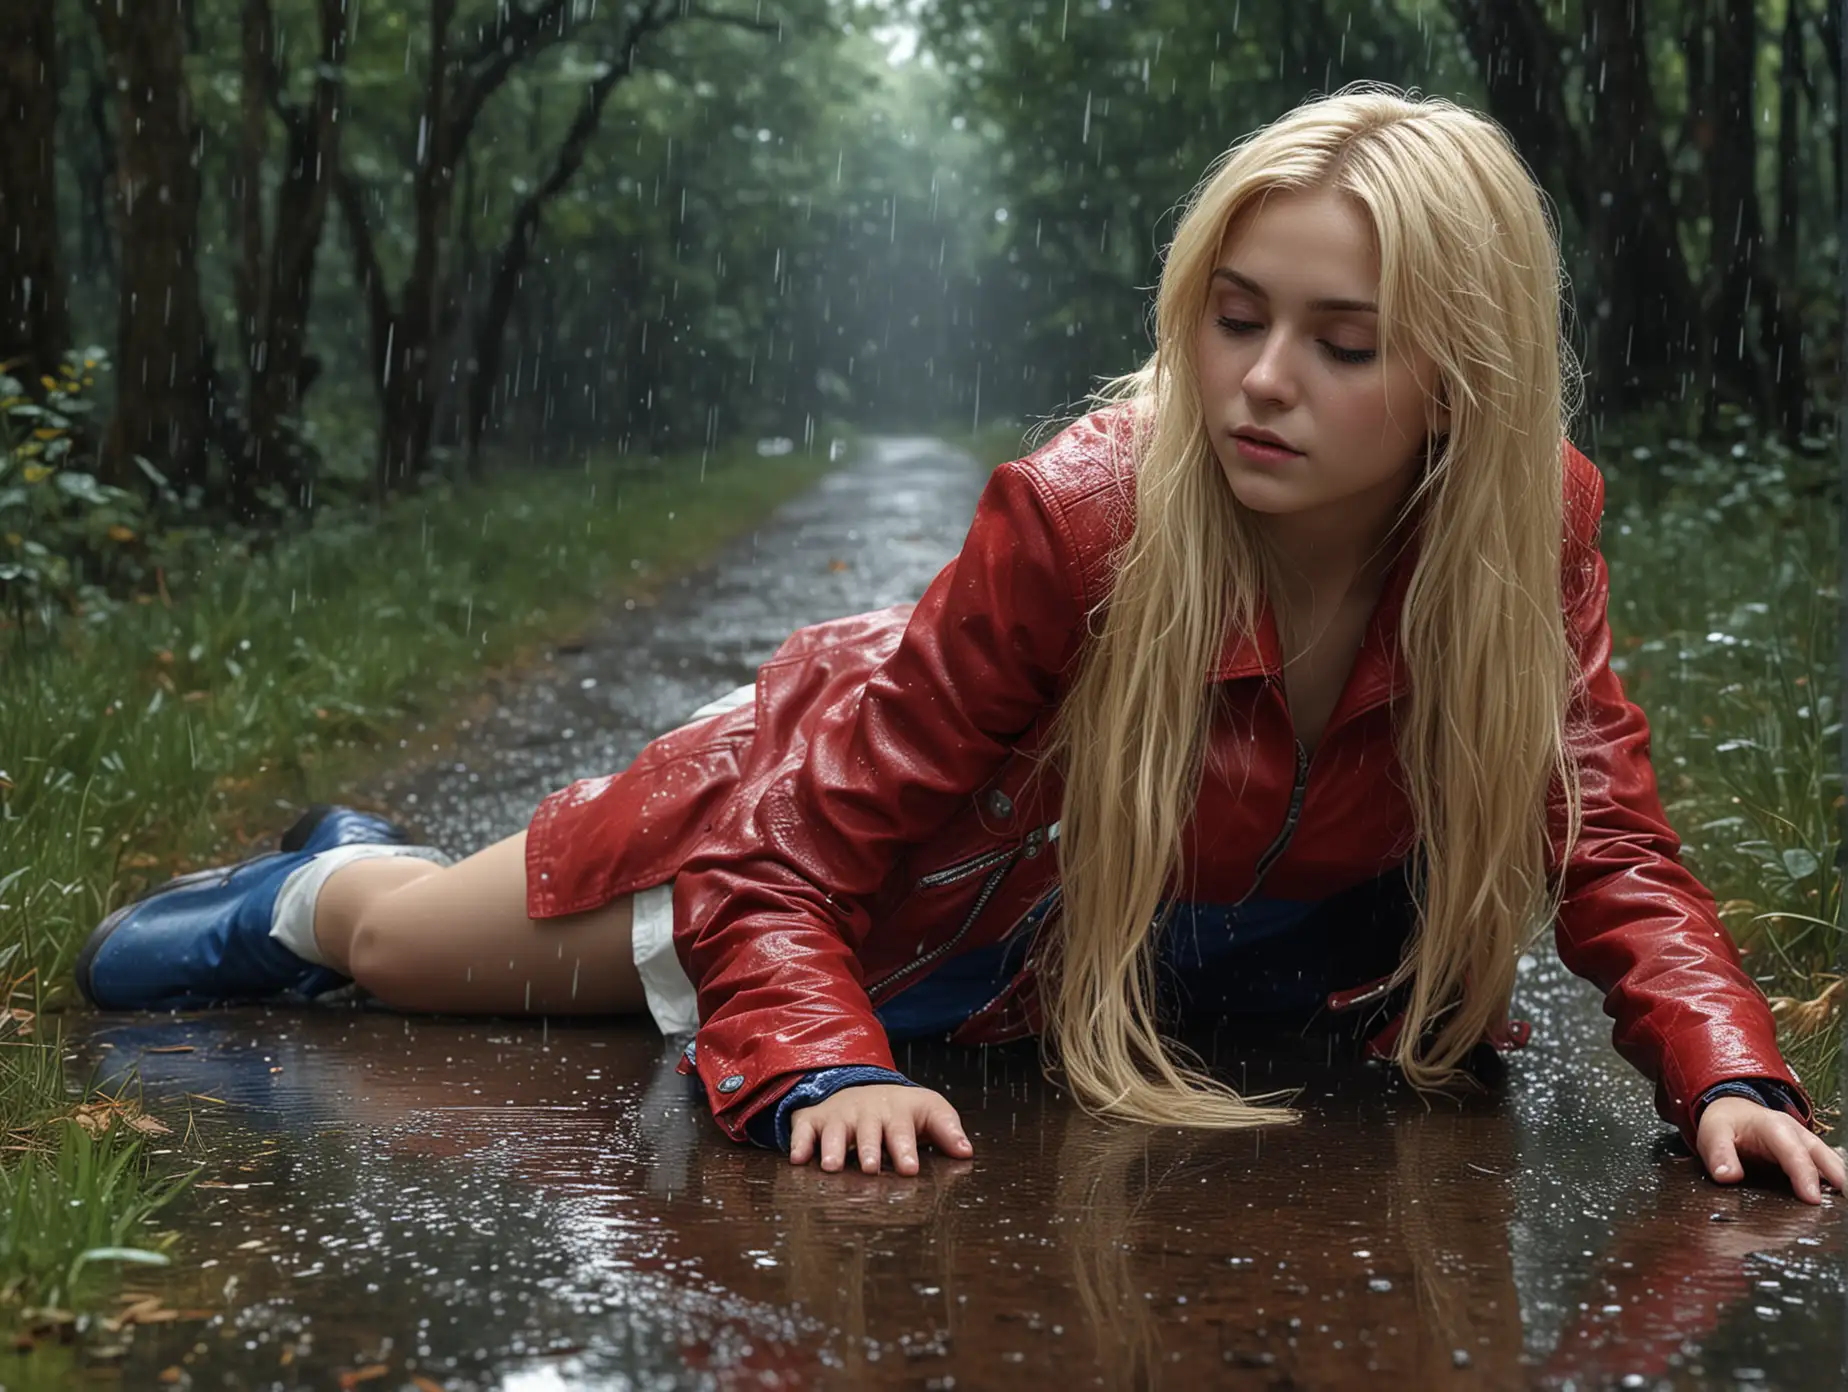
1270	377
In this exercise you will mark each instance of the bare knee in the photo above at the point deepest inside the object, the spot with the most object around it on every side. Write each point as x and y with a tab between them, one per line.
388	959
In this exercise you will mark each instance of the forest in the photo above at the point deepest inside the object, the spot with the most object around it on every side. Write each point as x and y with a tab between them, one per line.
355	352
263	257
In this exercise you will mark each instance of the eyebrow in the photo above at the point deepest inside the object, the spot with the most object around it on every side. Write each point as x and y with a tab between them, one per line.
1245	282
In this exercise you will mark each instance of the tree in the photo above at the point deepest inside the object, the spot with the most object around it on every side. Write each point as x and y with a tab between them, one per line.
34	320
162	358
274	291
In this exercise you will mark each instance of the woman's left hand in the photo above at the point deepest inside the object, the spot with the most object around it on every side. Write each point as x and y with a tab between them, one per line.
1736	1129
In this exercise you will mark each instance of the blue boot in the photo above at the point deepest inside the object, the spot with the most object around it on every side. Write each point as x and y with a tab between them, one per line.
201	939
323	826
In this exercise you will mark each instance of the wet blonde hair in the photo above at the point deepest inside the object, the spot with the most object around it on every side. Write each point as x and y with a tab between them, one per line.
1470	274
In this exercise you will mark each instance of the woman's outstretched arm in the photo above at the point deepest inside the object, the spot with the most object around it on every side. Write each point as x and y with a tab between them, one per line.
1634	920
778	893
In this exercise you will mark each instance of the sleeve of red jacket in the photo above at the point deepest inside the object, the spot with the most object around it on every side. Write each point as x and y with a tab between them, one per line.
778	894
1634	920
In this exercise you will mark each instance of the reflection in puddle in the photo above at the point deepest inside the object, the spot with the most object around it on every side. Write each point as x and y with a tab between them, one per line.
532	1206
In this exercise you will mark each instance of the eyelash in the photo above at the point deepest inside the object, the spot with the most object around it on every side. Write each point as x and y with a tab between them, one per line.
1352	356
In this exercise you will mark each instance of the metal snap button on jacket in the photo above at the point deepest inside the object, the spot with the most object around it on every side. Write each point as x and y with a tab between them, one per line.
1000	804
731	1083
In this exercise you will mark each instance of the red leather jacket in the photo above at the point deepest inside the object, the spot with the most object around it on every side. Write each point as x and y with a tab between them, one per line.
869	816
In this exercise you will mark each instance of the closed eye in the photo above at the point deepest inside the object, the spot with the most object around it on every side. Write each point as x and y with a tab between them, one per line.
1239	327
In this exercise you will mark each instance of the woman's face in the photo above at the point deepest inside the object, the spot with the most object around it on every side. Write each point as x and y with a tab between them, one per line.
1288	344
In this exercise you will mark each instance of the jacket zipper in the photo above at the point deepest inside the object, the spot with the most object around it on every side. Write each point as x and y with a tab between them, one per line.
1001	862
1281	844
1268	859
1027	963
963	869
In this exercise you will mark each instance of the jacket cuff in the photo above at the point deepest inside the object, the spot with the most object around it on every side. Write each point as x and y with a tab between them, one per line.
1696	1060
1766	1092
738	1090
770	1127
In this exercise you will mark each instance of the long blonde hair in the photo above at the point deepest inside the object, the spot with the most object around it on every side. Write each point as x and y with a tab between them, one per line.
1469	272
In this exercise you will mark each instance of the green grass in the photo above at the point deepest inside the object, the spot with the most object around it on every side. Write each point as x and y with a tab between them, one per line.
1725	616
75	1198
141	739
74	1214
129	743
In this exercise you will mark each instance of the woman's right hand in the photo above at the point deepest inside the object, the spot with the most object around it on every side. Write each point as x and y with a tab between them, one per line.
875	1118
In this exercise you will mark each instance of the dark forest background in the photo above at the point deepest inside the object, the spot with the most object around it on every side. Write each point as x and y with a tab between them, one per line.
259	256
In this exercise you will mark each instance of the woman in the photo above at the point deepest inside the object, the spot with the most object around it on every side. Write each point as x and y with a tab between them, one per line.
1312	603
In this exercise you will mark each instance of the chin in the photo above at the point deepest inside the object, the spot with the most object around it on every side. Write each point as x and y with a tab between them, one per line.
1259	492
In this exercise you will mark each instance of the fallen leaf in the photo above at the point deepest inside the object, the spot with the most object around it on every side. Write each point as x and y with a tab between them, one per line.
837	565
149	1126
94	1117
171	1374
365	1374
424	1384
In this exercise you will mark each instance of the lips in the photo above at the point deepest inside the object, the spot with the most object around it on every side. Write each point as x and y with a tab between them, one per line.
1264	437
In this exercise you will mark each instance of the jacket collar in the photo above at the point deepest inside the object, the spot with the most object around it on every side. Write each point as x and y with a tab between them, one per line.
1379	674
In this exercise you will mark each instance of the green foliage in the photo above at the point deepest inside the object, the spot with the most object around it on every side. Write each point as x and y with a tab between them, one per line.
71	1219
64	535
74	1199
125	738
1725	613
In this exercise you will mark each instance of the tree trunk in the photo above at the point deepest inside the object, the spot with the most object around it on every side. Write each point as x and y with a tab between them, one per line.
1829	28
1517	54
1737	255
381	317
1697	191
404	438
95	165
161	400
1790	387
1645	342
510	262
258	34
34	321
279	369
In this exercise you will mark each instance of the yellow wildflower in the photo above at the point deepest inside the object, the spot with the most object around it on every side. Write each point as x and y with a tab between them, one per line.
36	473
120	533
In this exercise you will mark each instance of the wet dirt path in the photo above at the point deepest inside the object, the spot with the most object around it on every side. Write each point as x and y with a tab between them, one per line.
392	1202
